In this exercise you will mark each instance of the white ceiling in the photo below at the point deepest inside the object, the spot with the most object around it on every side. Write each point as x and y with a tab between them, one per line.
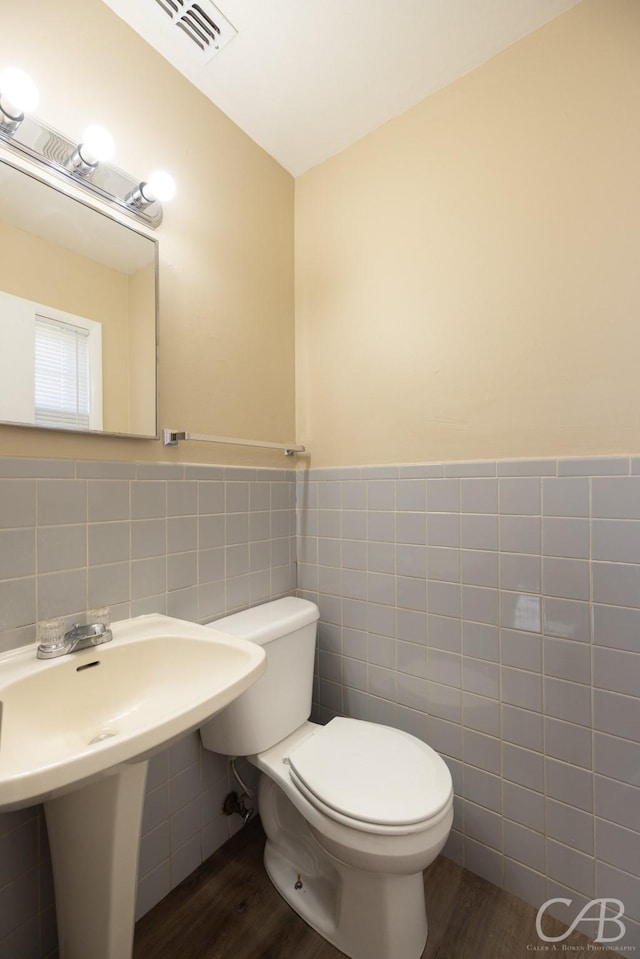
306	78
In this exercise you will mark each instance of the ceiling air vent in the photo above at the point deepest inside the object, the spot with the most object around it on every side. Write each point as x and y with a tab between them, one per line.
204	25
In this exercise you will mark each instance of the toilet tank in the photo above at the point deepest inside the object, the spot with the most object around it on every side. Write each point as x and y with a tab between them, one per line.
280	700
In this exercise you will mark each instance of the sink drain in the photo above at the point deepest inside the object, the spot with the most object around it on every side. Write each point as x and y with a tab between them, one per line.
102	735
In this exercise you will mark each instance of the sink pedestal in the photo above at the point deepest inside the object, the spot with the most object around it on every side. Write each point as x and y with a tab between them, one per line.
94	836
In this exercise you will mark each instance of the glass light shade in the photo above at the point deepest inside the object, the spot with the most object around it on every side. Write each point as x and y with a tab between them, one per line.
18	91
160	186
98	145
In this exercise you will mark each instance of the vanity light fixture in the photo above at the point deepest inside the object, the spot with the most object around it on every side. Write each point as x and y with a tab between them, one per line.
18	95
97	146
85	163
159	187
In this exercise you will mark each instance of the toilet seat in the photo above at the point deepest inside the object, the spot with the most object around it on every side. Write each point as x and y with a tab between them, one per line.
374	778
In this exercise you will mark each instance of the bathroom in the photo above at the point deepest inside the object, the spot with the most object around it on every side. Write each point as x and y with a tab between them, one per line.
442	314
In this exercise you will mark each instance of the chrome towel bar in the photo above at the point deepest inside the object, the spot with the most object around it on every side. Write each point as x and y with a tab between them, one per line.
173	437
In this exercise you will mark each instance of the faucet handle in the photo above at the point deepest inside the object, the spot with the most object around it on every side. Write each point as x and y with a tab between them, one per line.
100	616
51	634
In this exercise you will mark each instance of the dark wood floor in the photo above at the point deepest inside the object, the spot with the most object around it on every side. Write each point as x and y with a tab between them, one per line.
228	909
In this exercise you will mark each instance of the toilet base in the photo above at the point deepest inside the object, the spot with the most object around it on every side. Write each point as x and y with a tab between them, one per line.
359	917
366	915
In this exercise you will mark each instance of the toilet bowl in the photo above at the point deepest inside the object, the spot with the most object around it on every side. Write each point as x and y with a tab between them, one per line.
353	811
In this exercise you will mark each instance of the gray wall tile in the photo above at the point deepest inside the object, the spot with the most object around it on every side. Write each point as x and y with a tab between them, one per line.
520	496
108	500
148	500
571	867
60	594
102	469
478	531
481	641
523	805
567	619
108	542
411	495
479	567
569	785
17	553
521	649
617	846
616	540
565	578
443	529
520	611
526	468
565	497
523	767
109	585
619	885
617	802
521	688
61	547
616	758
616	714
616	670
17	503
569	825
524	845
61	501
567	660
593	466
616	627
479	496
520	534
18	602
480	605
616	498
568	538
520	573
479	468
568	701
12	467
522	727
565	741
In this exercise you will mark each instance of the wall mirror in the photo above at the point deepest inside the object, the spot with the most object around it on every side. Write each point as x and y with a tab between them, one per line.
78	314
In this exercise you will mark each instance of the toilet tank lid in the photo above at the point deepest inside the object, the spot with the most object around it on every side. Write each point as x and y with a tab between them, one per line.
261	624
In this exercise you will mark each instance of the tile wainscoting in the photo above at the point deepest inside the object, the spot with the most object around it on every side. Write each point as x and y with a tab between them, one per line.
194	542
493	610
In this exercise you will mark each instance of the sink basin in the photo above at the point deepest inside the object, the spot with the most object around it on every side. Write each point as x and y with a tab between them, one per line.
67	720
76	733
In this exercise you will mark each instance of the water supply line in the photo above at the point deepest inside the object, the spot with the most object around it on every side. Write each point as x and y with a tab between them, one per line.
238	778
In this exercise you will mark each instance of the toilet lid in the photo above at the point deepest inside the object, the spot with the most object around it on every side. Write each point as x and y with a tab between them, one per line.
371	773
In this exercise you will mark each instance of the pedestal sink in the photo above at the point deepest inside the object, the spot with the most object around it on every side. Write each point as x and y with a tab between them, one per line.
76	733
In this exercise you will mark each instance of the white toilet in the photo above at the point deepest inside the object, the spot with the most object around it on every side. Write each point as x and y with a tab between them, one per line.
353	811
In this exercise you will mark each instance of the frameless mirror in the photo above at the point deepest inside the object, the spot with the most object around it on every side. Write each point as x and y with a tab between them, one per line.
78	329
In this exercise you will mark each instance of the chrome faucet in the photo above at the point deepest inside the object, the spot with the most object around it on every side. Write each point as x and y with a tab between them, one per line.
54	641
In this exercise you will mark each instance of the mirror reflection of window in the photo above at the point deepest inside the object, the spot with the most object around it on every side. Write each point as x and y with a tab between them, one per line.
68	357
65	260
52	374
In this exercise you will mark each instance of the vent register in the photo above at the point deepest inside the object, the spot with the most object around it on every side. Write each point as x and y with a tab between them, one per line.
204	25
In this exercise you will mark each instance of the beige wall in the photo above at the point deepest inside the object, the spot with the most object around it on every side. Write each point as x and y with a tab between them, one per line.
226	243
467	280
